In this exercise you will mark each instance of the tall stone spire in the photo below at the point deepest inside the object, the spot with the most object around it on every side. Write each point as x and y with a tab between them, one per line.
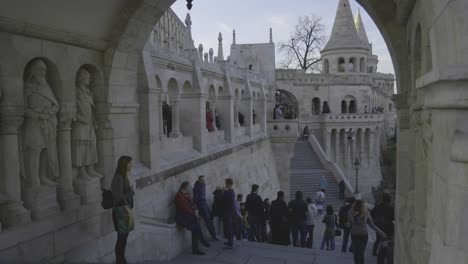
361	30
271	35
188	40
344	33
220	48
234	37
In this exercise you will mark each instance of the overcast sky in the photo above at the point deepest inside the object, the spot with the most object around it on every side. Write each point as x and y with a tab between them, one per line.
252	19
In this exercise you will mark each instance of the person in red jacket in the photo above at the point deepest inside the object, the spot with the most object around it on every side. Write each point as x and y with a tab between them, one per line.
209	119
187	217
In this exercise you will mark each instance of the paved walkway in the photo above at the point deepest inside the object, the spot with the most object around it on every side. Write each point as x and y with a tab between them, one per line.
258	253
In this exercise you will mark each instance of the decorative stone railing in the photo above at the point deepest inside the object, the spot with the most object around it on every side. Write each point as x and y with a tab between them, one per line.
283	128
357	118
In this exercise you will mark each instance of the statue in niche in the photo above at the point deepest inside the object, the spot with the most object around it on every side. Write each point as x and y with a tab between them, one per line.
83	136
40	128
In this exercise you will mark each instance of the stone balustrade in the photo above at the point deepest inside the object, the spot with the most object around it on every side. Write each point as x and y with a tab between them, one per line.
352	118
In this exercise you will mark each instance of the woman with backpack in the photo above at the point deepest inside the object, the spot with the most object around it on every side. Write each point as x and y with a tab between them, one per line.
122	215
359	218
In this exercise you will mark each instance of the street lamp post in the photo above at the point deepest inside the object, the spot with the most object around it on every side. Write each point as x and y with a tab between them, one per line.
357	165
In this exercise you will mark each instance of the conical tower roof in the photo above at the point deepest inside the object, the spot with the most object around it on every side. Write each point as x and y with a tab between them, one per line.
344	34
361	30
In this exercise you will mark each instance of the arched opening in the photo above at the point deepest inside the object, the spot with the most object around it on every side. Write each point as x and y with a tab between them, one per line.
362	65
286	105
352	107
210	109
352	65
326	67
173	92
326	108
316	106
390	107
344	107
341	65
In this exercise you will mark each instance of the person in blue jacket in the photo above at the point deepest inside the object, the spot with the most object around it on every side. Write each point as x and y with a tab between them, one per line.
199	198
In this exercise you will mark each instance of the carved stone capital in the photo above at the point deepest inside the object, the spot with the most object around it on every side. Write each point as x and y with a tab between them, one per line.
11	118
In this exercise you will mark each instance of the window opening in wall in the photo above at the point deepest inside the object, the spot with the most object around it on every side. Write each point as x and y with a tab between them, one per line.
341	65
316	106
352	107
344	107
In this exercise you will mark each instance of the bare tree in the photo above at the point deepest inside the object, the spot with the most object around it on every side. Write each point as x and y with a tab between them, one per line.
302	50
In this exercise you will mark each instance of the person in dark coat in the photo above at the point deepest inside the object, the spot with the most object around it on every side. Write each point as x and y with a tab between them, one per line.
255	210
344	223
279	221
187	216
342	189
229	206
217	209
383	216
298	213
122	215
199	198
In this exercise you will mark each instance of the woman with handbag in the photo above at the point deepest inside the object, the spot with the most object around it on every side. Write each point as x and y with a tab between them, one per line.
122	215
331	222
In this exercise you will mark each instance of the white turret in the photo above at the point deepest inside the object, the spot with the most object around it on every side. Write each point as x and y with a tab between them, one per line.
345	52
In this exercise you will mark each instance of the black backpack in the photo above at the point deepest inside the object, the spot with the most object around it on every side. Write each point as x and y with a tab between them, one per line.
107	201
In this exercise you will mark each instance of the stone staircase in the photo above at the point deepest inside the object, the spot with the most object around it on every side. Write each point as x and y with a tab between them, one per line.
306	171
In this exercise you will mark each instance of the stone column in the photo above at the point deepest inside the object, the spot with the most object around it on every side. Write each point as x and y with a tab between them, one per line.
371	149
66	196
247	102
337	147
262	115
227	117
161	119
327	140
361	147
236	113
12	212
213	111
175	133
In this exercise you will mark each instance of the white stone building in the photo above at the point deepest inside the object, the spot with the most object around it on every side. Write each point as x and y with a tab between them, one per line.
348	107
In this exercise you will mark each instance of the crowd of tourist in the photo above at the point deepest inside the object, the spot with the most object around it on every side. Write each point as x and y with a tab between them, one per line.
256	220
284	111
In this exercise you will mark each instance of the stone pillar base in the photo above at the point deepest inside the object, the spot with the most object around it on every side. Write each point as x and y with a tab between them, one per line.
14	214
67	199
88	190
175	134
42	201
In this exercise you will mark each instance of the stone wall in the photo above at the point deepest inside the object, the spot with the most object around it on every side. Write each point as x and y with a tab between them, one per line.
156	237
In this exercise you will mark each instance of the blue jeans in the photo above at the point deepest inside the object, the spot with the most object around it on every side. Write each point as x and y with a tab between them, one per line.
296	230
346	233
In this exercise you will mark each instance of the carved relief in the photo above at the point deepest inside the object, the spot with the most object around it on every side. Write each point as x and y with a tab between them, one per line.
421	122
83	136
40	127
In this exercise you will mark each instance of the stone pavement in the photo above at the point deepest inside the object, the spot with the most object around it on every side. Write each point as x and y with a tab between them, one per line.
259	253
